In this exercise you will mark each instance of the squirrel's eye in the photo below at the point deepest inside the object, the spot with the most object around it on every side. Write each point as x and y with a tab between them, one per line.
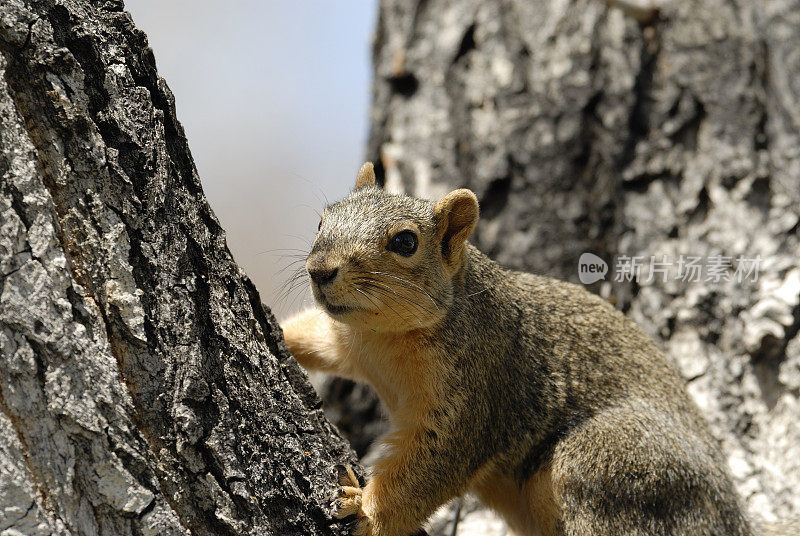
319	227
404	243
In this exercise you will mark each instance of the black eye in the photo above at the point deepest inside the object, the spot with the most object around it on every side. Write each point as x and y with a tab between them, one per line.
320	225
404	243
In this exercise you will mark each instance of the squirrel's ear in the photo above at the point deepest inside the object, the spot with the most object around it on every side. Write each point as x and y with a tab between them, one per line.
456	215
366	176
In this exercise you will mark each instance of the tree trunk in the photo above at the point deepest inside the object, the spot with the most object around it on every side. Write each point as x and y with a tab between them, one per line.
582	129
143	388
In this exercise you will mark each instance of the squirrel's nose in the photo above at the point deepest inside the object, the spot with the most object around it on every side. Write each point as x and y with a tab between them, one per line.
322	276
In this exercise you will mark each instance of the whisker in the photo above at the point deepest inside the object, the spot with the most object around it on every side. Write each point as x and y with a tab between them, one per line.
385	290
302	296
293	284
295	279
368	296
406	281
295	251
289	265
317	189
389	288
306	205
395	311
298	237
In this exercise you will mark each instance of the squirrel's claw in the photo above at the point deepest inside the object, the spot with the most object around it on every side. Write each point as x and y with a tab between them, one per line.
346	501
345	476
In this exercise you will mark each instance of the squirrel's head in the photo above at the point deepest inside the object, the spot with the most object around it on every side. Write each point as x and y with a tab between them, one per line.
388	262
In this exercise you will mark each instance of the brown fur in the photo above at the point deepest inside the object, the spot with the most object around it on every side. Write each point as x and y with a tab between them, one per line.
540	397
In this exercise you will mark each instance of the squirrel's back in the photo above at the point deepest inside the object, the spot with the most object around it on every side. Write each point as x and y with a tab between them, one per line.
578	391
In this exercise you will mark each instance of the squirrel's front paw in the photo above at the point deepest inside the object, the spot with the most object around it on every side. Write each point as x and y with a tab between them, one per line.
346	502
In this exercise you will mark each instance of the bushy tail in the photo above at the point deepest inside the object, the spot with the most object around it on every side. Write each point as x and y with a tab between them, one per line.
782	528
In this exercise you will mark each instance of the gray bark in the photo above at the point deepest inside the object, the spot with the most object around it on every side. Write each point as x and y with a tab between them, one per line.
143	389
583	130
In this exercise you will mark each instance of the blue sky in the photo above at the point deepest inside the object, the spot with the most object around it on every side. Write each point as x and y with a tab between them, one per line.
274	98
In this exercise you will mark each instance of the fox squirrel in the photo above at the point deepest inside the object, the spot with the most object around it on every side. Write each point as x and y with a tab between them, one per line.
538	396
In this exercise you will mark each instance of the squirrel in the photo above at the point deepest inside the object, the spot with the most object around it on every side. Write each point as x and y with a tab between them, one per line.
536	395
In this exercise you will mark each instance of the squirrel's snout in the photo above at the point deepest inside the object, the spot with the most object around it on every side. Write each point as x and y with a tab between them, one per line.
322	276
322	268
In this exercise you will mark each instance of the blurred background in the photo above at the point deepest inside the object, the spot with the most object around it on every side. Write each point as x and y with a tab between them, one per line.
274	97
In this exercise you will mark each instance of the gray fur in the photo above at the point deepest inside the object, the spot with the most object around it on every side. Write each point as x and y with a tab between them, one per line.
541	375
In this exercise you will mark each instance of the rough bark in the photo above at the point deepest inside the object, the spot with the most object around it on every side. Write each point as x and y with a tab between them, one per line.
143	389
584	130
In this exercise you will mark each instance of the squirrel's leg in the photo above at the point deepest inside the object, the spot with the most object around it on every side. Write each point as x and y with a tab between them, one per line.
314	342
407	486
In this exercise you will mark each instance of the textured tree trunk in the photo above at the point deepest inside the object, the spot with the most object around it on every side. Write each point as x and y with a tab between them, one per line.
582	129
143	389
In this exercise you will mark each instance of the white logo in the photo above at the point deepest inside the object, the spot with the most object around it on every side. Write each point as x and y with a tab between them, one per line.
715	269
591	268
